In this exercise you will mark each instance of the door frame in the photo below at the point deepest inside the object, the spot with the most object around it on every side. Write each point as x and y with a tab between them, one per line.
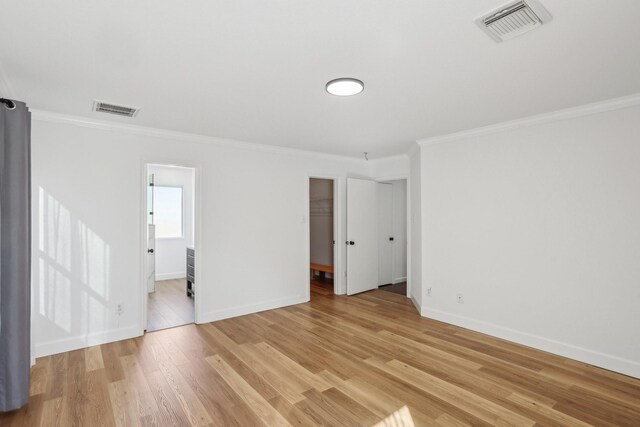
338	276
197	231
408	219
380	239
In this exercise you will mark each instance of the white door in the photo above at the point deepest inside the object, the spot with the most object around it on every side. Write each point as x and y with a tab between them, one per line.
151	237
151	258
385	234
362	235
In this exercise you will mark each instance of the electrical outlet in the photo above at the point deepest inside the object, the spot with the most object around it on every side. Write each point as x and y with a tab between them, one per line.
120	308
428	292
460	299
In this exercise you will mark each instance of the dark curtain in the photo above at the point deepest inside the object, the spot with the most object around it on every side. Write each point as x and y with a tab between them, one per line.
15	251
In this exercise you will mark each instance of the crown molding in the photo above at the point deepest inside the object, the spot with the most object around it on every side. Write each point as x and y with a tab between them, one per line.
51	117
414	149
402	156
564	114
568	113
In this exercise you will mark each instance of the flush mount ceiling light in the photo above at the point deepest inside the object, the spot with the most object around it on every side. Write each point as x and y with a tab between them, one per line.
345	86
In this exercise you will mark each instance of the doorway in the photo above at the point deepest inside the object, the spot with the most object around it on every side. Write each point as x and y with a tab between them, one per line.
377	235
322	237
392	236
170	275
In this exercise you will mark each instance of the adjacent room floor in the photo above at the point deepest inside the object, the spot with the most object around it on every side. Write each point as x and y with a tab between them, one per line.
321	287
396	288
337	360
169	306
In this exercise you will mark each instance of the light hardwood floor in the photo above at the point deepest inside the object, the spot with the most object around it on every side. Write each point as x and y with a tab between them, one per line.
334	361
169	305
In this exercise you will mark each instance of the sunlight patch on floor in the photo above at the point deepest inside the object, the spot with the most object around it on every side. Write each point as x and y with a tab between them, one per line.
400	418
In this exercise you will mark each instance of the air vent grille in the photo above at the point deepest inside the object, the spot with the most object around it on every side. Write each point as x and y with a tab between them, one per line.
118	110
513	19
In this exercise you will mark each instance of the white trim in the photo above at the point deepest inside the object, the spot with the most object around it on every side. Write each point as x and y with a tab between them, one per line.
401	156
142	261
171	276
225	313
339	279
399	280
374	162
607	361
415	304
82	341
197	237
396	177
414	148
144	164
409	236
567	113
48	116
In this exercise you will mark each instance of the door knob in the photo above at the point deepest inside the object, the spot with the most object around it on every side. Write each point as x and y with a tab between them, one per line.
150	251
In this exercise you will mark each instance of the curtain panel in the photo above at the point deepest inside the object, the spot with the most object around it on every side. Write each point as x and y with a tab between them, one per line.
15	251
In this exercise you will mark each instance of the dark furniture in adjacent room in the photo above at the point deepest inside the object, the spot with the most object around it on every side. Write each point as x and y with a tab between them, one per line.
191	271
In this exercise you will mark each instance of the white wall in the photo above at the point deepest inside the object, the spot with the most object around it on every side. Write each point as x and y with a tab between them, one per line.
415	238
321	221
87	226
539	228
389	167
170	253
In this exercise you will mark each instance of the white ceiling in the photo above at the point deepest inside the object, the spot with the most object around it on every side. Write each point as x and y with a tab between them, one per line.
255	70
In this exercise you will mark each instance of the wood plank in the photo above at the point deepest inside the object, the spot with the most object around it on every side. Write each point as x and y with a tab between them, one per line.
93	358
146	407
191	405
252	398
99	406
368	359
55	413
123	403
171	412
469	402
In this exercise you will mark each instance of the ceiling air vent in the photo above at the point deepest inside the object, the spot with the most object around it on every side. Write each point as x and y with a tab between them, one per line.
513	19
118	110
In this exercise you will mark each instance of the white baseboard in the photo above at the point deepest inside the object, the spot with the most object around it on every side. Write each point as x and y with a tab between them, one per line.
82	341
592	357
399	280
415	303
226	313
171	276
